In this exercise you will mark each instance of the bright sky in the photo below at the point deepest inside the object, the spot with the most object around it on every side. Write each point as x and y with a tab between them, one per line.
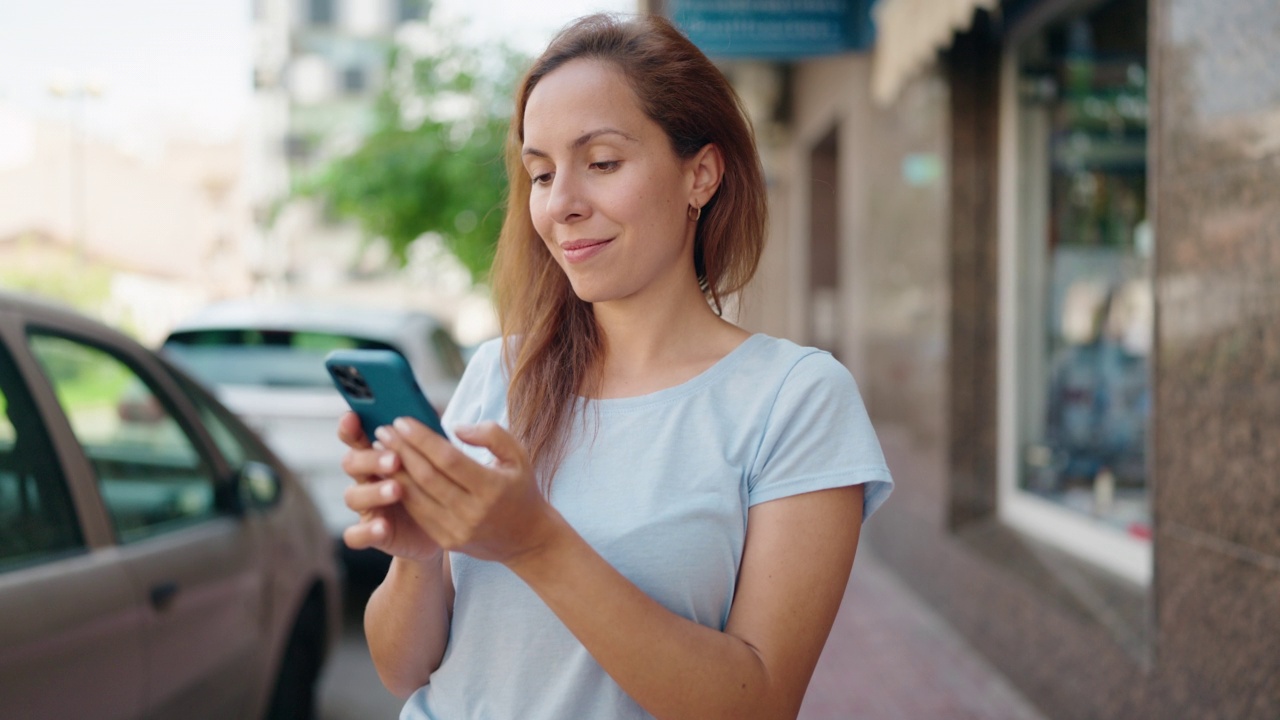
166	66
160	64
525	24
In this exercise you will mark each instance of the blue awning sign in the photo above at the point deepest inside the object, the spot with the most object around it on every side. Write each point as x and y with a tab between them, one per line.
775	29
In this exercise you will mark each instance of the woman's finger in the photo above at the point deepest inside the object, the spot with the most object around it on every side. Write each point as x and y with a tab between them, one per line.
371	496
494	438
432	479
364	535
465	472
440	523
350	432
443	524
368	465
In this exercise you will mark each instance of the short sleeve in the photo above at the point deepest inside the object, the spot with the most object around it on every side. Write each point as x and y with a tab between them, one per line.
818	436
481	395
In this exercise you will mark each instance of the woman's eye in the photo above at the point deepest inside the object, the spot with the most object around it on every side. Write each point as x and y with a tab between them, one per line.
542	179
606	165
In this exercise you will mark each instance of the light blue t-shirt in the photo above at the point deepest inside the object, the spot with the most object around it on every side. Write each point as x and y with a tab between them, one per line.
660	486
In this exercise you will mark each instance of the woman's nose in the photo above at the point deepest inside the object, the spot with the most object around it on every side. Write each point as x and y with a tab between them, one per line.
566	202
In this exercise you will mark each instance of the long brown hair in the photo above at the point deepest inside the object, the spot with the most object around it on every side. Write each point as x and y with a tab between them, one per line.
552	346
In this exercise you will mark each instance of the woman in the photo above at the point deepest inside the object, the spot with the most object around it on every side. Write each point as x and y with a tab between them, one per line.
649	511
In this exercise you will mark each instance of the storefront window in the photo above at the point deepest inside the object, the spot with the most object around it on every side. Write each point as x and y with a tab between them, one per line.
1084	296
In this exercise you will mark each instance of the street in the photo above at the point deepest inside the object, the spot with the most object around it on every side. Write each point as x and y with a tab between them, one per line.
891	657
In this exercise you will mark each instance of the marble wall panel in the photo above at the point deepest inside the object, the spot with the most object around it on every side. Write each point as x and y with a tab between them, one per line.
1217	406
1219	83
972	242
1218	264
1218	628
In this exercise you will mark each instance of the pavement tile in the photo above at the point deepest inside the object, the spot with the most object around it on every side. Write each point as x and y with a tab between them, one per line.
891	657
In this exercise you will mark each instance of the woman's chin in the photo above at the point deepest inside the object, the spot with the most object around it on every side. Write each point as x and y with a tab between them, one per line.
592	292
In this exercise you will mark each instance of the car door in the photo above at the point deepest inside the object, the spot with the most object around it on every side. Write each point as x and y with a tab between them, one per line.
198	563
71	627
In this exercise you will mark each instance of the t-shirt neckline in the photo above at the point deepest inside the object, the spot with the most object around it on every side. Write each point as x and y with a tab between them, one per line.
692	385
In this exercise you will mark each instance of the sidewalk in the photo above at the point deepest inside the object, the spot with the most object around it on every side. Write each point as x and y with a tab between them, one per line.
890	657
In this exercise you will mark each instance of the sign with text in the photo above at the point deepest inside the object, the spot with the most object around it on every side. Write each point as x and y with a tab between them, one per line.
775	29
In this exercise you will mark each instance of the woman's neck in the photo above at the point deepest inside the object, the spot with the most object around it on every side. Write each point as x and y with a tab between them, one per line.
661	340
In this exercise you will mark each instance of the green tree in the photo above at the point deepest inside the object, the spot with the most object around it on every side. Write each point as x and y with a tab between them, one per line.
434	160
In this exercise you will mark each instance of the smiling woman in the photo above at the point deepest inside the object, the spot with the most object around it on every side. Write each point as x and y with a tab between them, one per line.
614	195
650	97
644	510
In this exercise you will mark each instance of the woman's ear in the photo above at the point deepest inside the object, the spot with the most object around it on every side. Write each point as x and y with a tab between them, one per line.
706	169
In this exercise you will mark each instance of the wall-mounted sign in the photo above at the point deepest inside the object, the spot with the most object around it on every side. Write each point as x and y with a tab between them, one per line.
775	29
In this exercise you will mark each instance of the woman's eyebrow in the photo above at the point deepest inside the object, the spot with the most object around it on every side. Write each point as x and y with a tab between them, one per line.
583	140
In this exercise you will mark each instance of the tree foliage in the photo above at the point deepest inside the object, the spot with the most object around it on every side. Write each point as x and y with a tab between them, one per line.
433	163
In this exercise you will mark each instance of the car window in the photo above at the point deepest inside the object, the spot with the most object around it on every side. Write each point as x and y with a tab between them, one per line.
37	520
226	441
272	358
150	475
231	442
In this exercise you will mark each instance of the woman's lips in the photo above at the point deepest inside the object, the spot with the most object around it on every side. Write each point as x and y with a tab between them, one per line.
580	250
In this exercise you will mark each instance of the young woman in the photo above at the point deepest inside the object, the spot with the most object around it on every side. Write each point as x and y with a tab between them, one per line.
646	510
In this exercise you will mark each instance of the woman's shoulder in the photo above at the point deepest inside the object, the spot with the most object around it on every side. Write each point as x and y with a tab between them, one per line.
482	391
487	354
792	363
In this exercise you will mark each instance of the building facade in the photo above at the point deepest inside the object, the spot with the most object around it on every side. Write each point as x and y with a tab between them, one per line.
318	67
1044	237
137	239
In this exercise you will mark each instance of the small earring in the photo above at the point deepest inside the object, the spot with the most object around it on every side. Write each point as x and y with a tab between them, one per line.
694	213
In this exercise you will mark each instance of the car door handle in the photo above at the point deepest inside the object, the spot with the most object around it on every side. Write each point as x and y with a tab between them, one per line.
162	595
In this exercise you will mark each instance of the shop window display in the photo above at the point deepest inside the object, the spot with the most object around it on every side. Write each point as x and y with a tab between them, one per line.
1086	307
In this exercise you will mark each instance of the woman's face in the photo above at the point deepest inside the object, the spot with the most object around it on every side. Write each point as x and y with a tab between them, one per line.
609	196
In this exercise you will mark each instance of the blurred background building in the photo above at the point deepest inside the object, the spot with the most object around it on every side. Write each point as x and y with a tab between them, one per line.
70	224
318	68
139	190
1041	235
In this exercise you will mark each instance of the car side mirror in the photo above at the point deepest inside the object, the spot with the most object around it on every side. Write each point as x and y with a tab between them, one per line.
257	485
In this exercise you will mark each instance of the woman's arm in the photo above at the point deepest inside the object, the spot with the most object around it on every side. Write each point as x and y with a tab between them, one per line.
407	618
795	565
406	623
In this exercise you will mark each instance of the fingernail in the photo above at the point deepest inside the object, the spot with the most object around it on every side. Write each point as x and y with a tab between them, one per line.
379	528
401	424
388	491
383	434
387	462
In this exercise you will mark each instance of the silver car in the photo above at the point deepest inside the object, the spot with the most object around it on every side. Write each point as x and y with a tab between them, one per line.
156	559
265	361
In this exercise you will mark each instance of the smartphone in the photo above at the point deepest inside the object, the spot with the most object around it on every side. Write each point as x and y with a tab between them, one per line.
380	387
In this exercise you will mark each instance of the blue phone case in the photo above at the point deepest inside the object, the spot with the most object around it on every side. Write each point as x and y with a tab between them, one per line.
379	386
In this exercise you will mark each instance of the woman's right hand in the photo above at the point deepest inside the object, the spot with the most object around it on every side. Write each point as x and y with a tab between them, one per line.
376	495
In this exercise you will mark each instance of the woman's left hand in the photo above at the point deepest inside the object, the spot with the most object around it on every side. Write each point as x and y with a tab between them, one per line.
488	512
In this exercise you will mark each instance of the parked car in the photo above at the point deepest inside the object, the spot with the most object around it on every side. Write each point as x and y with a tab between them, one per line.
157	560
265	361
